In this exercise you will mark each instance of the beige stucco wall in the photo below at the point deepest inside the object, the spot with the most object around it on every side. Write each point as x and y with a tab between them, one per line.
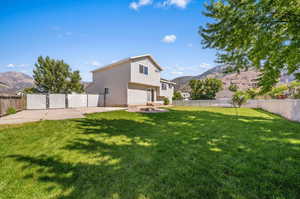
116	79
153	77
127	85
137	94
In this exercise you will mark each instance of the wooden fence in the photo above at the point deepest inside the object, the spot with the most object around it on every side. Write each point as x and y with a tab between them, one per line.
16	102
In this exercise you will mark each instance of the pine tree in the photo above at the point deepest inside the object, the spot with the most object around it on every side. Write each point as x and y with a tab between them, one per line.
55	76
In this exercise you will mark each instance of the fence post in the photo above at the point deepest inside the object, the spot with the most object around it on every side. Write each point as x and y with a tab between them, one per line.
87	100
66	101
0	106
47	101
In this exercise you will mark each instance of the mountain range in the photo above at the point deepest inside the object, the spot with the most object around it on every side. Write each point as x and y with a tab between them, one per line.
12	82
244	80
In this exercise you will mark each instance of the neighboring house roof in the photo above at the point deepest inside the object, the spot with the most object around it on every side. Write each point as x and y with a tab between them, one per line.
167	81
128	60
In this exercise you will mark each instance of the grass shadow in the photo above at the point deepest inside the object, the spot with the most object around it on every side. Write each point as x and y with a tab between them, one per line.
176	154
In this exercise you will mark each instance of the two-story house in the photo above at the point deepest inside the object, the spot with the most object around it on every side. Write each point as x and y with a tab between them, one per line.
131	81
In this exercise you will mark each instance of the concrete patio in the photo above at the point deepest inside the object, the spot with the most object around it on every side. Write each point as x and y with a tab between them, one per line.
53	114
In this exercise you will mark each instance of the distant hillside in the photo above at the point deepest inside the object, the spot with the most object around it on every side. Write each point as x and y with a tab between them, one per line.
181	81
244	80
11	82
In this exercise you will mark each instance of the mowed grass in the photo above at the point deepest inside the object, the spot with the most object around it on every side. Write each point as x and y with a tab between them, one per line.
185	153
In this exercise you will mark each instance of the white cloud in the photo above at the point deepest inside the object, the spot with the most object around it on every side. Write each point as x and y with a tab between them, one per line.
136	5
11	65
190	45
16	65
95	63
169	39
177	3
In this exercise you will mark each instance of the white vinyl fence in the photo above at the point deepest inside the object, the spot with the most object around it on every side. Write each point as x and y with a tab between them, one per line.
60	101
288	108
36	101
77	101
57	101
95	100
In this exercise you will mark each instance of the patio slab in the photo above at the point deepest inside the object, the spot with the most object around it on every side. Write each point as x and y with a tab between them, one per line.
53	114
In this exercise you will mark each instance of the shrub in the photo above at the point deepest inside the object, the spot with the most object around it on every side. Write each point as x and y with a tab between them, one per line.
296	94
279	91
239	98
166	101
233	87
11	110
177	96
205	89
251	93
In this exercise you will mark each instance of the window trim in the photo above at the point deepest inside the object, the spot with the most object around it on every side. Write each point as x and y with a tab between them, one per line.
164	86
143	69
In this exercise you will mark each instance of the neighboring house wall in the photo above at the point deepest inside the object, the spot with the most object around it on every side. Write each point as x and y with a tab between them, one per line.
168	92
153	77
116	80
185	95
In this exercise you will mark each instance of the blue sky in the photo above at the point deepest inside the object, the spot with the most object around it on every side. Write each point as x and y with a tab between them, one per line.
90	33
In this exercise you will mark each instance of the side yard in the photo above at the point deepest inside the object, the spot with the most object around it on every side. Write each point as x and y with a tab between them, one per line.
189	152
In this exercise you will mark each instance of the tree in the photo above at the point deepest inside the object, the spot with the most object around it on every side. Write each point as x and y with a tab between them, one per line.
205	89
233	87
177	96
55	76
252	93
255	33
30	90
239	98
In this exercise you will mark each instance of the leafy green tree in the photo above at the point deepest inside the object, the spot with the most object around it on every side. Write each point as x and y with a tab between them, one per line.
252	93
279	91
55	76
177	96
30	90
239	98
205	89
255	33
233	87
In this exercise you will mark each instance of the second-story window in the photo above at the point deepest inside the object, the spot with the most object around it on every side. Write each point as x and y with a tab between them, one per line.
163	86
146	70
143	69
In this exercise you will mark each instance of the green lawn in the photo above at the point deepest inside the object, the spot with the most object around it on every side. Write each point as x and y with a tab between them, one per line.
185	153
